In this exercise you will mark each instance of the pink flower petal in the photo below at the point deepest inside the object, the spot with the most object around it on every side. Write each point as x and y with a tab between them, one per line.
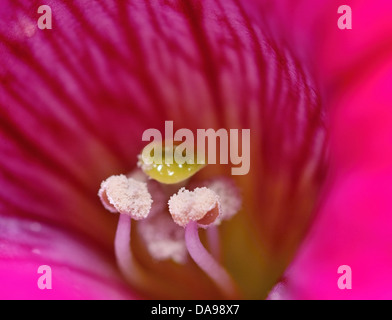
354	223
353	229
79	269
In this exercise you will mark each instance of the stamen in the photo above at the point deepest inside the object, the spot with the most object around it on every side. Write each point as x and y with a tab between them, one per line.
152	162
201	205
207	263
126	196
191	209
132	199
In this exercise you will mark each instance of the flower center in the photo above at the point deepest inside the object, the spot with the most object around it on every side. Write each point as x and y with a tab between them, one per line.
168	223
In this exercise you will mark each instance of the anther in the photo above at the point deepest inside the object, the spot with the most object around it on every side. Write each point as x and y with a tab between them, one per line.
201	205
126	196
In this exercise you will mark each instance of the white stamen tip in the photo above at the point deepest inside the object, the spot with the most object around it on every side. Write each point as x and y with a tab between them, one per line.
186	206
126	196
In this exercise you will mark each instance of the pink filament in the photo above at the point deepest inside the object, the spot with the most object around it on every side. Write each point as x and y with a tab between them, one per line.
214	242
207	263
129	267
125	259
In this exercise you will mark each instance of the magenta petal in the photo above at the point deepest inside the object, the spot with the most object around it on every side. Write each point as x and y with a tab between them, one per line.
353	229
362	123
79	271
354	225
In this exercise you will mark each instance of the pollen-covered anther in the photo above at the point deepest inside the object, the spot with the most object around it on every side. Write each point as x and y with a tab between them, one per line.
126	196
201	205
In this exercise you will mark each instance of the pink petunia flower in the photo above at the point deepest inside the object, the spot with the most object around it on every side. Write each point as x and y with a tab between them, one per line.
76	99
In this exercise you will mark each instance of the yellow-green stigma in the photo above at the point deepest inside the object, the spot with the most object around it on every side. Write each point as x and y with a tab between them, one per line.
170	164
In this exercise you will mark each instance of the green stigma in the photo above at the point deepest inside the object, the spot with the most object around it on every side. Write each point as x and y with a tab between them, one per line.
170	164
